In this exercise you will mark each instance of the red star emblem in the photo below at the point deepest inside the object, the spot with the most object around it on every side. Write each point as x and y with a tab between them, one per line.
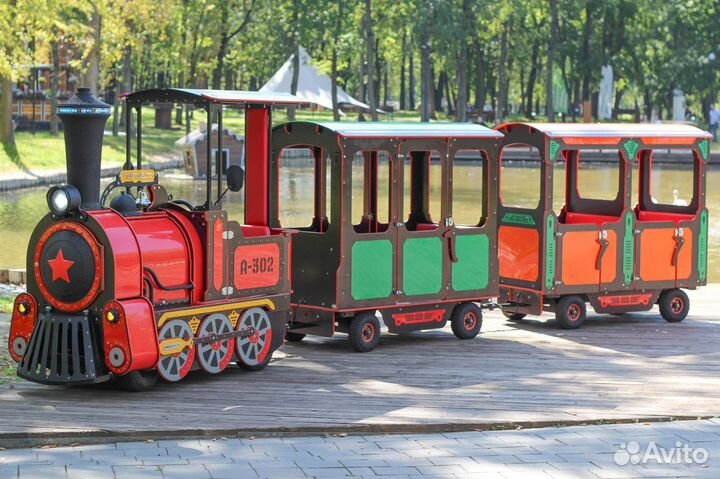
60	267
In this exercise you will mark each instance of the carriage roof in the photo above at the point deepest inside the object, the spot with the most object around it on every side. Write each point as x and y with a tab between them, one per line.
612	130
387	129
203	97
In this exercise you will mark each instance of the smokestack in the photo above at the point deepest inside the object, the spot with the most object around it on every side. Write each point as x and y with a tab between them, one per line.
84	118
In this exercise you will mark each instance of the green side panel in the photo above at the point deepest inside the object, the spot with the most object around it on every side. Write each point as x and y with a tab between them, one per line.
554	148
473	266
518	219
631	148
703	246
550	252
704	147
628	264
422	266
372	270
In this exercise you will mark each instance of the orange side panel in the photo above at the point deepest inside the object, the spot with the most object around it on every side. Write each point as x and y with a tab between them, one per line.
257	266
519	252
608	268
668	141
592	141
580	251
684	266
656	253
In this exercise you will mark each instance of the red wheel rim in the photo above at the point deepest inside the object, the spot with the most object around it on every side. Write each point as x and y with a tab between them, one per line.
573	312
469	321
368	332
677	305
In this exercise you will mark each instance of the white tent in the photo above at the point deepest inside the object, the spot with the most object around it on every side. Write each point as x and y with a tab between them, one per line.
313	85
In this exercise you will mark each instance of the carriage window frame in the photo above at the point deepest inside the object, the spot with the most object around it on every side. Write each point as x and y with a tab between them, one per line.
320	219
383	209
430	210
483	187
645	198
537	176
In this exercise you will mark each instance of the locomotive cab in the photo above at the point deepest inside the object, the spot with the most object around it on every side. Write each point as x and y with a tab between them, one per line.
142	284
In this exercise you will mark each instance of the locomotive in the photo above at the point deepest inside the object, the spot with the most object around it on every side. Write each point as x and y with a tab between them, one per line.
151	286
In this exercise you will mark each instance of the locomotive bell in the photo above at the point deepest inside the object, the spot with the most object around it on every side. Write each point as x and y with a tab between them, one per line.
84	118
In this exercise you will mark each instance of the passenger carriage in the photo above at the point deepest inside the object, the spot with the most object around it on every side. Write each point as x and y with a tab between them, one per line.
381	234
626	249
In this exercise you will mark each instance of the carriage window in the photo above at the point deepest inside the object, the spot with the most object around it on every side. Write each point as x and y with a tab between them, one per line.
520	179
371	191
468	194
304	186
422	189
672	185
598	180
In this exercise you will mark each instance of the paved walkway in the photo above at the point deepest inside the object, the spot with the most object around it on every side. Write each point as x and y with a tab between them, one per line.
596	452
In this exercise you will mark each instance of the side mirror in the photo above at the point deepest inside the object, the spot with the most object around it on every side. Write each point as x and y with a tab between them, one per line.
235	176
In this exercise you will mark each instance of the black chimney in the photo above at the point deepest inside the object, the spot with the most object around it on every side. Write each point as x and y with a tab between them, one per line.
84	118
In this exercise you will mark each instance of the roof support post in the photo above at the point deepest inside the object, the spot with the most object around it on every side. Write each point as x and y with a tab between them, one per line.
257	164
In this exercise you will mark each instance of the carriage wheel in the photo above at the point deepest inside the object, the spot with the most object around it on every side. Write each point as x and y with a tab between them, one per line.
174	367
570	312
466	320
364	332
253	352
214	357
674	305
513	316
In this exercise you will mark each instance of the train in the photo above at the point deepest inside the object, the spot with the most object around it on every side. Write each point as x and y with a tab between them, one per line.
133	284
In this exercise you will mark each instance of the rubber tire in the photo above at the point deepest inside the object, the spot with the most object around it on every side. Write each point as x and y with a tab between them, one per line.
667	298
458	320
294	337
562	310
363	321
138	381
513	316
256	367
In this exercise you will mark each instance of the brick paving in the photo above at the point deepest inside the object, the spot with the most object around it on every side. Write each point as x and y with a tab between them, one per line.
594	452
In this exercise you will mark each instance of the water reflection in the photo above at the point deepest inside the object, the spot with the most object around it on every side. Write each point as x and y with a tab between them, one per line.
21	210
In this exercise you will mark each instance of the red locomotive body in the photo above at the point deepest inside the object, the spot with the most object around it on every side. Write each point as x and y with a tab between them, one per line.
149	285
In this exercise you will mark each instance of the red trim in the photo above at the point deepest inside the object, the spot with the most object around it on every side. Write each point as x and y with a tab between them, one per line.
218	264
257	159
389	306
95	248
22	324
419	317
625	300
134	332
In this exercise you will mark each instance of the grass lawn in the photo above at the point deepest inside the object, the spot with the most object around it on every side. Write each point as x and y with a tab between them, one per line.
44	152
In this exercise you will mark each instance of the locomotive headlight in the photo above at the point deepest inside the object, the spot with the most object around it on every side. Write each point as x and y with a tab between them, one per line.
63	199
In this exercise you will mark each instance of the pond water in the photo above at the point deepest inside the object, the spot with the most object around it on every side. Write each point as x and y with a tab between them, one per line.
20	210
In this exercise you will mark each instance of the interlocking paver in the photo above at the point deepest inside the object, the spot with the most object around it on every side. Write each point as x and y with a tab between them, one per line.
197	471
230	471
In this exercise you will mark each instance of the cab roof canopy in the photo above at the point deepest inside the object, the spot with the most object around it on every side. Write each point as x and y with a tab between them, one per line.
610	130
405	130
203	98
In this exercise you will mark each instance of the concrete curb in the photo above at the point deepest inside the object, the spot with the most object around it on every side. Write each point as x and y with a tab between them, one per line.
99	436
31	180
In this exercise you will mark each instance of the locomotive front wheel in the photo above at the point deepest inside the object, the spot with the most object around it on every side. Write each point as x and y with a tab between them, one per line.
510	315
138	381
364	332
294	337
179	336
570	312
466	320
674	305
254	352
214	357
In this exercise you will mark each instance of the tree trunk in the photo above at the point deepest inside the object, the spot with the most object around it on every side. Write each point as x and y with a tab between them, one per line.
426	86
370	42
532	78
403	93
92	75
7	132
462	98
296	57
550	107
502	75
479	76
440	91
126	85
411	81
616	106
54	87
587	63
334	73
